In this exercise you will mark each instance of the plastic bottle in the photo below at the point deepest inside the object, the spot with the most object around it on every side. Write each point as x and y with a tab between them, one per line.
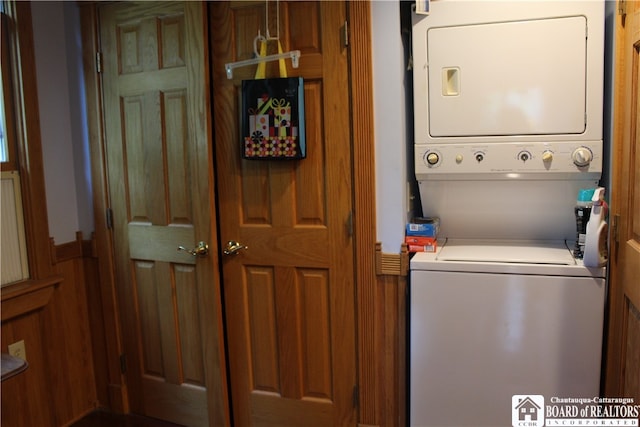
595	247
582	210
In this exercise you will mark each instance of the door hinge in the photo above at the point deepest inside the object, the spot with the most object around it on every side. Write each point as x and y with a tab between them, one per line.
98	62
349	224
614	228
123	363
356	396
109	218
345	34
622	7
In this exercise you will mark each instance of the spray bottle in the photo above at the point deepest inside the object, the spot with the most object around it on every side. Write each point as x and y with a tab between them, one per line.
595	247
582	211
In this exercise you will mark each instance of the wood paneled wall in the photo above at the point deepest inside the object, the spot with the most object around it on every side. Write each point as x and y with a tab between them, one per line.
60	385
388	393
390	339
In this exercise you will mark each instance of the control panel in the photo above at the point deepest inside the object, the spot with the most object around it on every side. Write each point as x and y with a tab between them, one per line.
544	160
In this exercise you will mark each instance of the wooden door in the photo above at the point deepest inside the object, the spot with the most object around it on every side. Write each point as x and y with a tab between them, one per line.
289	297
623	356
155	73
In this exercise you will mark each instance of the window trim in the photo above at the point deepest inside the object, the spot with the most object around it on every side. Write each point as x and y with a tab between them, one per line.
9	104
28	145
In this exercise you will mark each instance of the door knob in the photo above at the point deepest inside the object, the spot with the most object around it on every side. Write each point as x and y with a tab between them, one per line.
201	250
233	247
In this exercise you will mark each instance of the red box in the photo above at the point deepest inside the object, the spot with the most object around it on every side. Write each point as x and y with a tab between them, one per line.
420	243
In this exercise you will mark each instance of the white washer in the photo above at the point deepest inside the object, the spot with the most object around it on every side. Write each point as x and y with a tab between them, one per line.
491	319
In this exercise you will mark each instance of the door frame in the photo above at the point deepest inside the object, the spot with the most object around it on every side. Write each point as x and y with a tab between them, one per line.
361	93
621	205
369	360
102	236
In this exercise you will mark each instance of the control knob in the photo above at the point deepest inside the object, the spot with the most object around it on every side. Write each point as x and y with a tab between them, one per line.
547	156
582	156
432	158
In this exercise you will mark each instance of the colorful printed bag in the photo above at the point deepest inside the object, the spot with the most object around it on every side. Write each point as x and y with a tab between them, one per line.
273	117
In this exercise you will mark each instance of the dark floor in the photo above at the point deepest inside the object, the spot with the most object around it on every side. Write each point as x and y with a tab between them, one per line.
101	418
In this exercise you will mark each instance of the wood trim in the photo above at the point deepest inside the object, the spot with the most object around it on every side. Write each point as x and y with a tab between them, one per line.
615	321
392	264
66	251
29	146
9	103
25	297
75	249
362	119
118	400
620	306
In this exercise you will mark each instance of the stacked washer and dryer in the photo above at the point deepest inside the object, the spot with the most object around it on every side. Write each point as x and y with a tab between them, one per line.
508	102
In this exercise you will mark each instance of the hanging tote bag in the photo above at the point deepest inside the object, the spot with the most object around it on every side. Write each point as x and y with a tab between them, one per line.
273	115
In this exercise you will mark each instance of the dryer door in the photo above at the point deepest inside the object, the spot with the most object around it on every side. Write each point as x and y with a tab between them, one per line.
523	77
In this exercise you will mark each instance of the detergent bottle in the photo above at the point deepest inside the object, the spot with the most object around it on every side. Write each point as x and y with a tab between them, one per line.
595	246
584	204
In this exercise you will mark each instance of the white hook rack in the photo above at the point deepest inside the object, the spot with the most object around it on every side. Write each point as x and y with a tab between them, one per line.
294	55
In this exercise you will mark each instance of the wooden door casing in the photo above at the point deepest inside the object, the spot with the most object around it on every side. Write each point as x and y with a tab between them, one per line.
290	297
623	351
158	162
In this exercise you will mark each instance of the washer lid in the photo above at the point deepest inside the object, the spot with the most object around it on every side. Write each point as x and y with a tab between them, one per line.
507	251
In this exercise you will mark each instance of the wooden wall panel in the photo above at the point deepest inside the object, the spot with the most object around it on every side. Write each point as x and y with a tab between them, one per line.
391	294
97	327
25	397
59	386
67	343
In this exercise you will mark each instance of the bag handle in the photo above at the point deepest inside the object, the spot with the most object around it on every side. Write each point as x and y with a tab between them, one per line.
262	66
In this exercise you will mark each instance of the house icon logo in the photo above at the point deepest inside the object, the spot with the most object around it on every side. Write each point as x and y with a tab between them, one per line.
527	410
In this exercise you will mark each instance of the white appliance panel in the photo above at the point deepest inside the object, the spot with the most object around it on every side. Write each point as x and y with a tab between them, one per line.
509	160
508	209
508	78
478	339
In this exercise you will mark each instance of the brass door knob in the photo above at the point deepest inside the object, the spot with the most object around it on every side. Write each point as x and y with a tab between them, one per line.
233	247
201	250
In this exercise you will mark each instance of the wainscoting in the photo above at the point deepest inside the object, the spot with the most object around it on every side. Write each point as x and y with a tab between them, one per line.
53	319
61	323
390	337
